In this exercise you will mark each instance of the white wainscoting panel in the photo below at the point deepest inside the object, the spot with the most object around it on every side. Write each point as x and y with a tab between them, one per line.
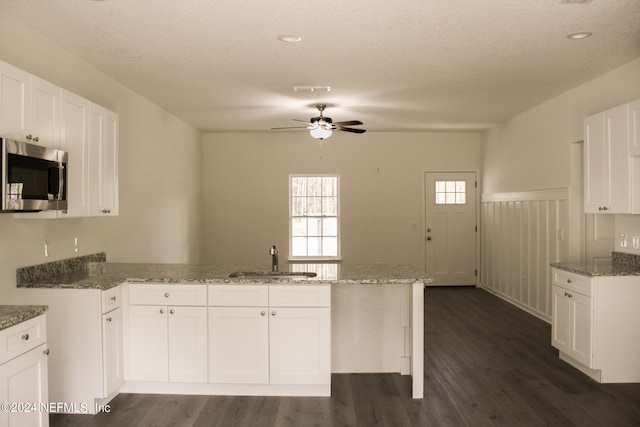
521	234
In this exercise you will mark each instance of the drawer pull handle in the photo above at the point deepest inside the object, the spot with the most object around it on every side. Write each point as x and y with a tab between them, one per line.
568	280
113	298
45	352
566	294
166	294
108	319
25	337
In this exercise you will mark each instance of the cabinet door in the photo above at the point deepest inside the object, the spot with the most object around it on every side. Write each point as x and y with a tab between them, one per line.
149	357
238	345
582	329
300	345
596	161
103	162
45	113
74	131
634	128
561	320
25	380
112	351
188	344
15	102
617	133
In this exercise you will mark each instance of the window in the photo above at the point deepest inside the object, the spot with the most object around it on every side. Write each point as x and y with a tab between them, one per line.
451	192
314	216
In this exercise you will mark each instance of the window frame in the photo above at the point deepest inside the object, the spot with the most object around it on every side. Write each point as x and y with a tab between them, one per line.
338	255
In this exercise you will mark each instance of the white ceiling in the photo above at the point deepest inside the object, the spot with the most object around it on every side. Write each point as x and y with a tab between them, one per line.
395	65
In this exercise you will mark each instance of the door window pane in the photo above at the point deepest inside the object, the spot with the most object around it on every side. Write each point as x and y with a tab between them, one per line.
451	193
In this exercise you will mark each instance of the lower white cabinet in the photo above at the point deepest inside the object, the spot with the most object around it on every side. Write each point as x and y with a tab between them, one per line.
24	374
168	343
85	343
596	324
270	334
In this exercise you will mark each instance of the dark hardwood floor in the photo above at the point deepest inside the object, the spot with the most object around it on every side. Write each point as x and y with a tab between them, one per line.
487	363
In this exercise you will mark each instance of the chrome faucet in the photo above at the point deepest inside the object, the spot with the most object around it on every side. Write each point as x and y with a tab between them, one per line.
274	258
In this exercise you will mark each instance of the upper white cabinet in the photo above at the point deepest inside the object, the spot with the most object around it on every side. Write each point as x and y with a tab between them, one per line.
36	111
75	141
634	128
30	107
608	166
103	162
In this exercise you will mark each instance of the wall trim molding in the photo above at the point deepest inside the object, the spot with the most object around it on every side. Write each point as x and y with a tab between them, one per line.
545	194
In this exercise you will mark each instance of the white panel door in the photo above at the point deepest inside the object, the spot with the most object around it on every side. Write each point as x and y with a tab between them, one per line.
300	340
112	353
188	344
450	228
15	102
239	345
561	320
25	380
45	113
149	358
582	324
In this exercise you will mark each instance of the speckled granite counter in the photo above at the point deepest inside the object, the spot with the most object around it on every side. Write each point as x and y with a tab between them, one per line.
11	315
620	264
112	274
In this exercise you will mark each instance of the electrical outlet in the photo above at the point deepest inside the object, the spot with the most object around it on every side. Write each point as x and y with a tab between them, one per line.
75	244
46	248
636	242
623	240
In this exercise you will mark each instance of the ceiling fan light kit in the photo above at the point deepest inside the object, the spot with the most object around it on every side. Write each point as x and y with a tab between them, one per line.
322	127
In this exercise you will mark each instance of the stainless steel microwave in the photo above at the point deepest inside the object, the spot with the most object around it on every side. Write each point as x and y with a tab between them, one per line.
34	178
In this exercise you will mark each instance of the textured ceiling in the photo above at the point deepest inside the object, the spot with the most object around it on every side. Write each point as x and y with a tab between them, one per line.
405	65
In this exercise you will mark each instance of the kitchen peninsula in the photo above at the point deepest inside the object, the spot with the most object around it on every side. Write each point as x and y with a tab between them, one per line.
372	315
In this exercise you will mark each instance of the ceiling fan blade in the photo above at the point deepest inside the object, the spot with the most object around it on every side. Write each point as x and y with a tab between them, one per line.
291	127
348	123
354	130
303	121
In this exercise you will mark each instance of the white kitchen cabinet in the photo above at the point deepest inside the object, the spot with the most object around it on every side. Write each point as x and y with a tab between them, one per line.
74	131
607	164
15	102
24	372
29	107
86	359
634	128
103	162
595	324
168	342
270	334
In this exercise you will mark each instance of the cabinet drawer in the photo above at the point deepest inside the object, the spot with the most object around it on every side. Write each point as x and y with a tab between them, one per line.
111	298
22	337
239	295
575	282
167	294
300	296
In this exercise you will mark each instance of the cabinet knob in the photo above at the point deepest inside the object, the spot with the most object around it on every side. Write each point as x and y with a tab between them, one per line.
568	280
108	319
273	313
45	352
162	311
262	313
172	311
25	337
166	294
29	137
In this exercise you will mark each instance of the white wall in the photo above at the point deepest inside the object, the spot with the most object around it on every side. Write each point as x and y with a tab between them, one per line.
160	175
381	178
531	152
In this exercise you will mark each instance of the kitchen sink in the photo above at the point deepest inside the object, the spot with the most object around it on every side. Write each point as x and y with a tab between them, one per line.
272	274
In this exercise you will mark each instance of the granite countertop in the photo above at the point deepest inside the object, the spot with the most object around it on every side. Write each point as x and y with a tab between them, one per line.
11	315
113	274
597	268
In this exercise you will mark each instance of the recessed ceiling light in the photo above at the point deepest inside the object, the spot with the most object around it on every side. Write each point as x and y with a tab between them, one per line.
289	38
579	36
312	88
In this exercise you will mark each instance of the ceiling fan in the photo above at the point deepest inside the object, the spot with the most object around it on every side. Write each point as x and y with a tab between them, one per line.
322	127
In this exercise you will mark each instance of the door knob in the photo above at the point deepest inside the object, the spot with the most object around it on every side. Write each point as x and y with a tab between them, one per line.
428	237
